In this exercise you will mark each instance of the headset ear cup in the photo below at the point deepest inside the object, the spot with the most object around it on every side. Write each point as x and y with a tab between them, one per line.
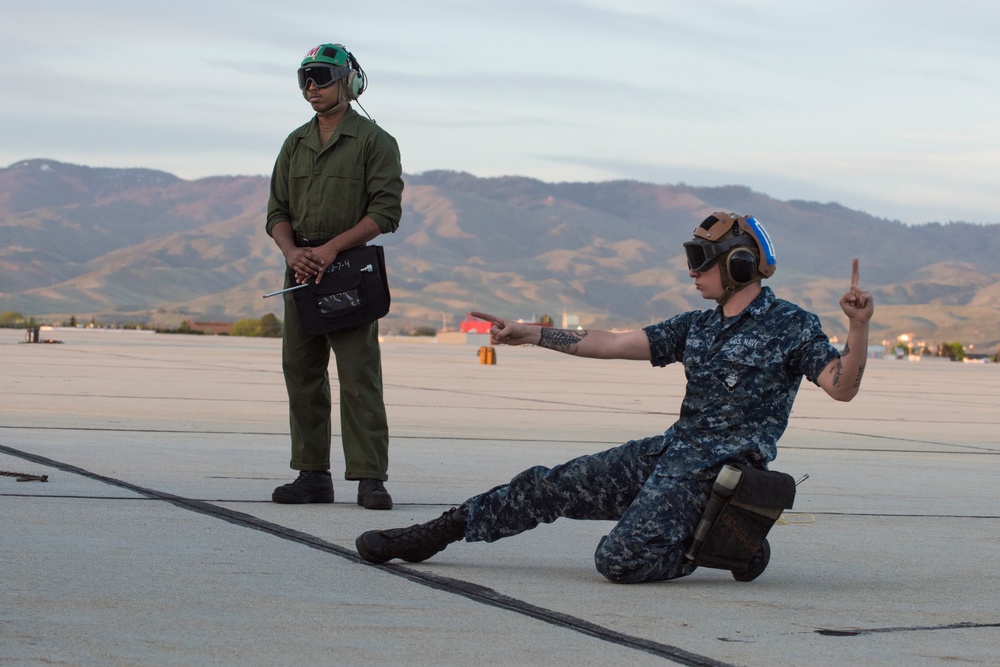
742	266
355	84
351	86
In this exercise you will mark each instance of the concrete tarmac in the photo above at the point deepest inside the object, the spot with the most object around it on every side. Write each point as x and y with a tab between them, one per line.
154	541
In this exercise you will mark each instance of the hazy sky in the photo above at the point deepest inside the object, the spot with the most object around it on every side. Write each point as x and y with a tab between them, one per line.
886	107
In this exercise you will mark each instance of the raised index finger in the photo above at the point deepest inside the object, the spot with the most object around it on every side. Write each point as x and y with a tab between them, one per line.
854	274
489	318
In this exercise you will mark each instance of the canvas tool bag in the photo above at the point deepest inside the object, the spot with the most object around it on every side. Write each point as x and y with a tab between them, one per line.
744	517
354	291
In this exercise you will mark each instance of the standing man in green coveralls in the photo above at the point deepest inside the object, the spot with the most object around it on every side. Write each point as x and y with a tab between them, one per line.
337	184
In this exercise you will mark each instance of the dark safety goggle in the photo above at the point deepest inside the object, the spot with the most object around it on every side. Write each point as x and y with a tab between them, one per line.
701	254
321	75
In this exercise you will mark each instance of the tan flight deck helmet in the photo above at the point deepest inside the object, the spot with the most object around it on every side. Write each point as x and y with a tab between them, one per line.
739	244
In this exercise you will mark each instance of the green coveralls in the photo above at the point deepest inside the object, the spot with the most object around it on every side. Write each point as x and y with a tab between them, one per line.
324	191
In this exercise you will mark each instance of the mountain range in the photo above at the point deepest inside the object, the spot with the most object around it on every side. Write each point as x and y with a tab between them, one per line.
139	245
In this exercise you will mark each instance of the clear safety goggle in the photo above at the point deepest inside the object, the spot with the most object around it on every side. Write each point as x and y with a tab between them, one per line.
321	75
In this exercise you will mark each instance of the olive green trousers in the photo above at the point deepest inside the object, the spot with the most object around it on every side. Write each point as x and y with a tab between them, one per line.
364	430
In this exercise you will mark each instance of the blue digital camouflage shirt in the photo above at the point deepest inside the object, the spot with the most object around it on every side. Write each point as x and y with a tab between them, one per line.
742	376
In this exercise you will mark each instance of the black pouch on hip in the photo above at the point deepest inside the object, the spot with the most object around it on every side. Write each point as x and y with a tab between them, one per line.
738	518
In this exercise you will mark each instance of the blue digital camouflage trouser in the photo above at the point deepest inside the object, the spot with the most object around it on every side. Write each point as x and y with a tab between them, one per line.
656	512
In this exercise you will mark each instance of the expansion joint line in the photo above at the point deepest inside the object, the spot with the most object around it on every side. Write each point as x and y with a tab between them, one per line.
465	589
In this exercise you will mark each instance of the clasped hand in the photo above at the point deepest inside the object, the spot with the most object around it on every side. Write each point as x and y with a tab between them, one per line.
307	263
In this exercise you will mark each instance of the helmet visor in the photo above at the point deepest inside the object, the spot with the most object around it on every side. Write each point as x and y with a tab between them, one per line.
321	75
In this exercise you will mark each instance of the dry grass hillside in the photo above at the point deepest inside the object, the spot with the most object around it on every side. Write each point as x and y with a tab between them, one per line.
137	245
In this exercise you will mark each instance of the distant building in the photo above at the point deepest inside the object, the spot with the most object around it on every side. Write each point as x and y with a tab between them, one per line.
570	321
213	328
474	325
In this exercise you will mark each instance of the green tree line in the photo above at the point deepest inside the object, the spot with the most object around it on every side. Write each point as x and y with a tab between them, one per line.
14	320
268	326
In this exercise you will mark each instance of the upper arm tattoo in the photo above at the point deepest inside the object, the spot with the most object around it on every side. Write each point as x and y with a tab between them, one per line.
561	340
838	370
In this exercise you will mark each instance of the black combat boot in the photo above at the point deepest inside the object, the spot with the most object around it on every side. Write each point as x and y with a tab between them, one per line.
373	496
414	544
311	486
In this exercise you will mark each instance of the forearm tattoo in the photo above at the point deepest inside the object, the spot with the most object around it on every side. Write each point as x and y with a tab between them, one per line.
561	340
861	372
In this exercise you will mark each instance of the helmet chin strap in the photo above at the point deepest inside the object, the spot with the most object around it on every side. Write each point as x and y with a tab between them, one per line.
731	286
731	290
334	109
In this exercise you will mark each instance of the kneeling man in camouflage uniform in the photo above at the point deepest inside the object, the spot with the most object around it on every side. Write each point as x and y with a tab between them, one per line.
744	361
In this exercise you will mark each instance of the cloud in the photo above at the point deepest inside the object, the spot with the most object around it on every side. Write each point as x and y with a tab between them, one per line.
882	104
